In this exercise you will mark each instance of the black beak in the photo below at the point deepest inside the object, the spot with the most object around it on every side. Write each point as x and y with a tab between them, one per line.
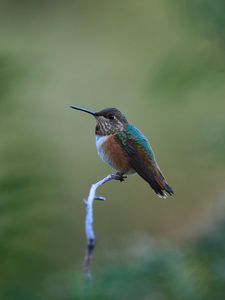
85	110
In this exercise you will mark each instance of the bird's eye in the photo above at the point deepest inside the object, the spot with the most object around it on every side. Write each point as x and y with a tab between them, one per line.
110	116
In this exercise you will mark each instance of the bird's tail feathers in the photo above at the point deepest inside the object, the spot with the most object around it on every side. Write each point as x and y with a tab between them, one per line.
160	186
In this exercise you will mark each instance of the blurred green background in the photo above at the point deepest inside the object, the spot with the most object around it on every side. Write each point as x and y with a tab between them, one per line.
163	64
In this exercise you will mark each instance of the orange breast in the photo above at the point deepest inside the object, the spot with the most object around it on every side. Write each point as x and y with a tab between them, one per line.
117	159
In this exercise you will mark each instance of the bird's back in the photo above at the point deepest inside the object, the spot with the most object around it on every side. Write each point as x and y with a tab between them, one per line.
142	159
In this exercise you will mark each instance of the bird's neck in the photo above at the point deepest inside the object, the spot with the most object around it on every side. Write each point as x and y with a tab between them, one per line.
102	130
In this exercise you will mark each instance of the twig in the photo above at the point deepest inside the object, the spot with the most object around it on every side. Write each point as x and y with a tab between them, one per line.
89	220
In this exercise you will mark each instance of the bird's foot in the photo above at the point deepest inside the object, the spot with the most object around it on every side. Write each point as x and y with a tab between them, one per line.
119	176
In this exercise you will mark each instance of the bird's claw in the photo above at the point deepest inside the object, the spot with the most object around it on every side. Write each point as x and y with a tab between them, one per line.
122	178
119	177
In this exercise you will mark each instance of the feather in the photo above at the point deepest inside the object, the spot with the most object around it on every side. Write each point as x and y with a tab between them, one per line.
142	159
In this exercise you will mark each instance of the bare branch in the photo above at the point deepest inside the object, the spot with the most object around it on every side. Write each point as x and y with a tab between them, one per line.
90	219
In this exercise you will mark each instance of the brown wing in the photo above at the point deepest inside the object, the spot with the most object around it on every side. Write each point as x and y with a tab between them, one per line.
142	160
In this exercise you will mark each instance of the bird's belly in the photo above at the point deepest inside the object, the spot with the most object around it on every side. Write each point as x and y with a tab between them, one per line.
112	154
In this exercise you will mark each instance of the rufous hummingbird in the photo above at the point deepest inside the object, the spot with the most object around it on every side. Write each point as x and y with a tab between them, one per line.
123	147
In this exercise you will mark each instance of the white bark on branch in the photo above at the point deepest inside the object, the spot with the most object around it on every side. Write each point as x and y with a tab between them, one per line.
90	235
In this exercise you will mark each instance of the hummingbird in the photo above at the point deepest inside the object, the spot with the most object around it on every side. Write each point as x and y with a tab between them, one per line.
123	147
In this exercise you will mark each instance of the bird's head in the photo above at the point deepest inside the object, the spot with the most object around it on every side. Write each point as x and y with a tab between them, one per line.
109	120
